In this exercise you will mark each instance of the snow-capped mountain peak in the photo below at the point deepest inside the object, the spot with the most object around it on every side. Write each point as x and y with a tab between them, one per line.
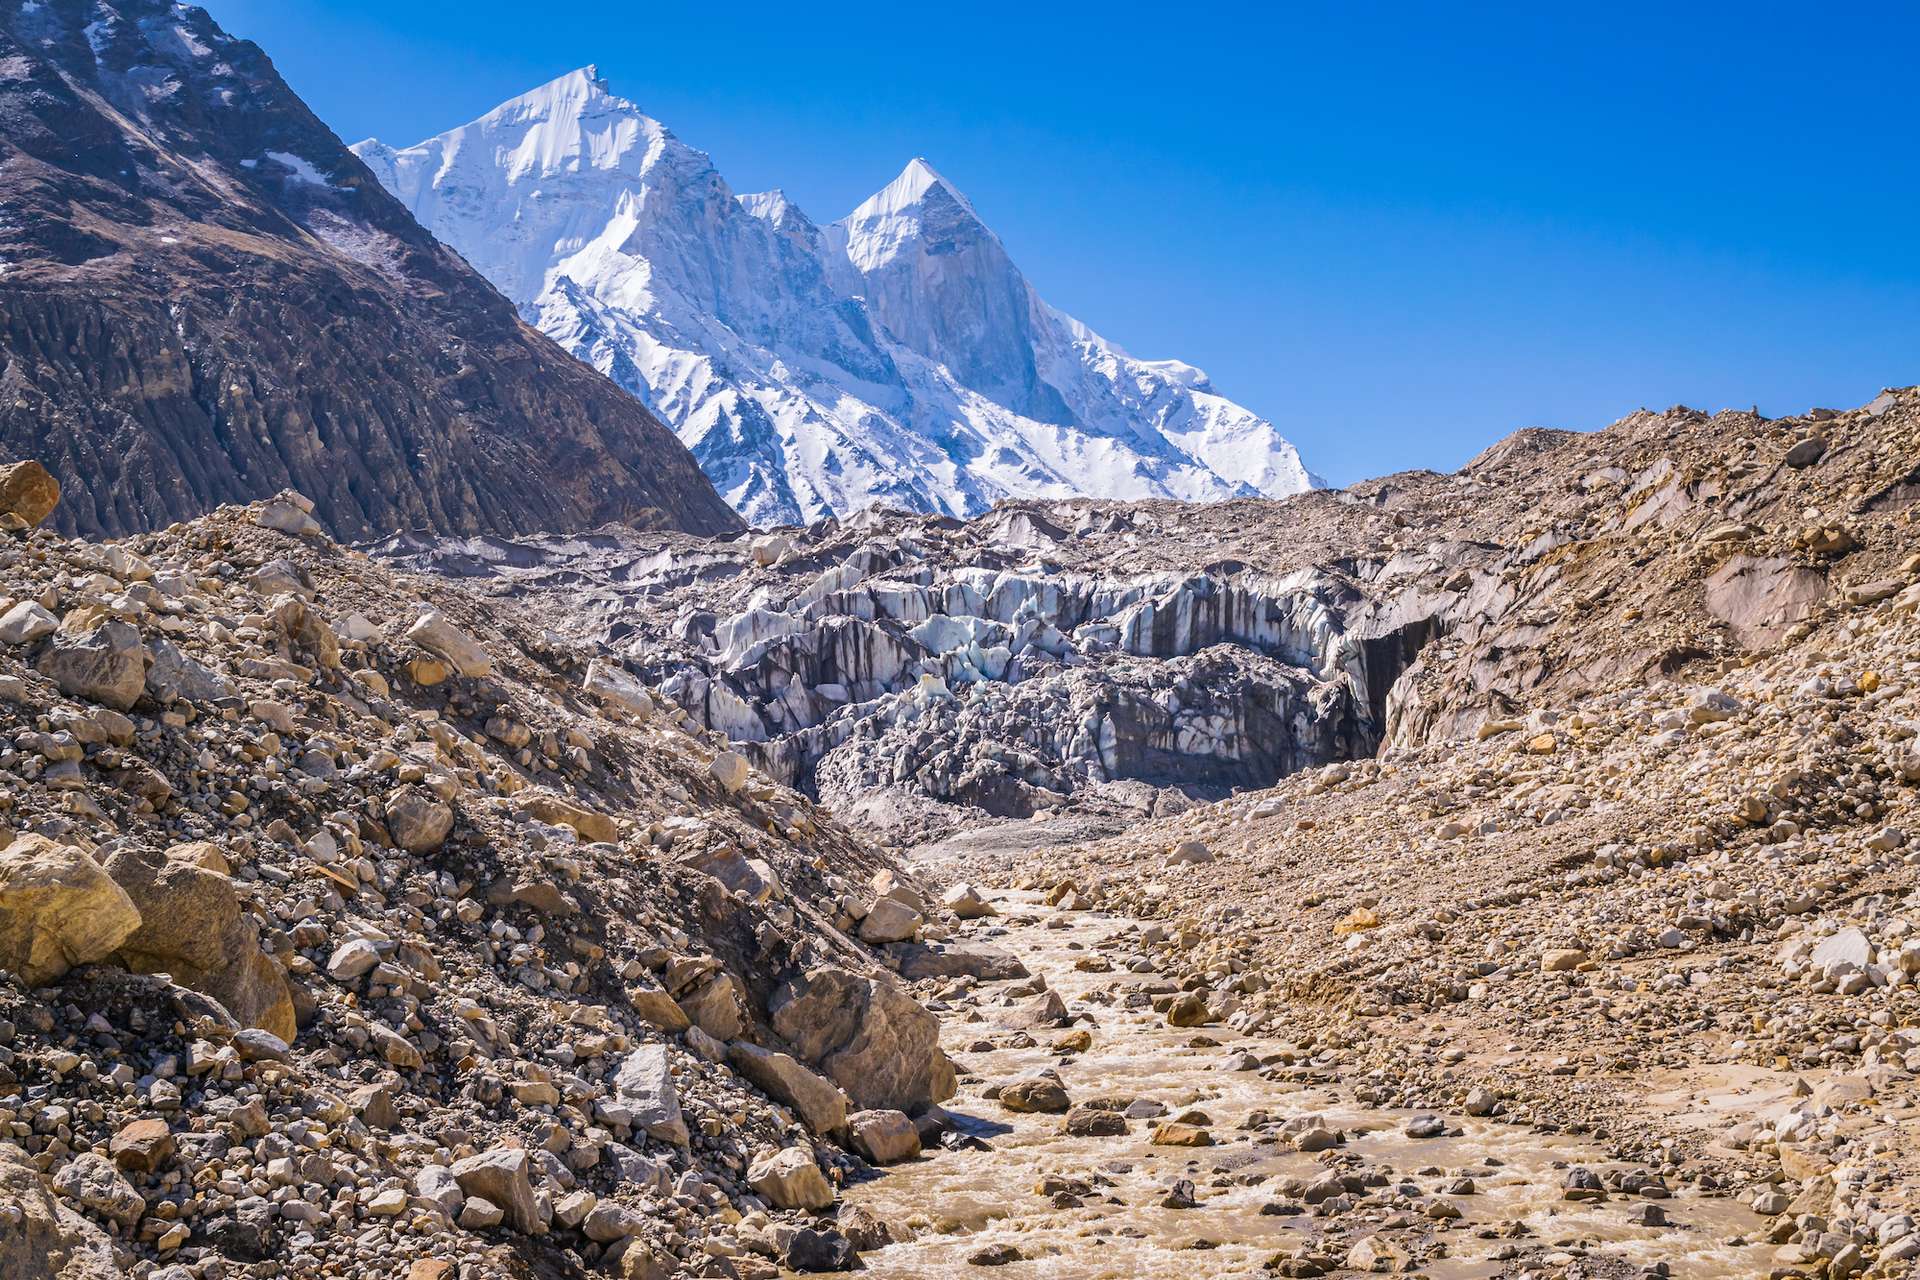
897	355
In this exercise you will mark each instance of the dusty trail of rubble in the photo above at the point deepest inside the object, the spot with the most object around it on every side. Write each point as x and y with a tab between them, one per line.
1201	1150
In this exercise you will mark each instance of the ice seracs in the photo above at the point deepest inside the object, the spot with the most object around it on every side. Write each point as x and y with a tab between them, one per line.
897	356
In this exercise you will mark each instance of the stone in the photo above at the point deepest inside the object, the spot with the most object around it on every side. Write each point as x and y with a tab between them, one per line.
26	622
654	1005
562	812
434	632
42	1238
58	909
92	1182
193	927
1189	1010
646	1097
715	1007
1847	948
1188	853
889	921
501	1176
819	1103
883	1137
810	1250
965	902
1086	1121
730	770
789	1179
614	687
481	1214
1175	1134
142	1146
29	491
106	663
1038	1094
1562	959
354	958
416	820
872	1039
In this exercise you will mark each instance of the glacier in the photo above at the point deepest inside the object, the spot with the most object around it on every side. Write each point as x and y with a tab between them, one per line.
895	357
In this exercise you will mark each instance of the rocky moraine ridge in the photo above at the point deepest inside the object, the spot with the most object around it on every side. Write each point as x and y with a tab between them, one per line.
1119	659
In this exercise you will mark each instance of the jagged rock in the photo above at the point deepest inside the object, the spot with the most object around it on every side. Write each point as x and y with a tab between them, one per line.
501	1177
41	1238
192	927
142	1146
715	1007
106	663
873	1040
58	908
26	622
417	820
28	492
965	902
819	1103
883	1137
615	687
175	675
654	1005
92	1182
730	770
645	1097
560	811
789	1179
433	632
889	921
916	961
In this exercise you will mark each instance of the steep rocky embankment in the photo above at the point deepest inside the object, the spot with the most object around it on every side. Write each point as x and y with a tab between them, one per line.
1115	660
351	928
205	297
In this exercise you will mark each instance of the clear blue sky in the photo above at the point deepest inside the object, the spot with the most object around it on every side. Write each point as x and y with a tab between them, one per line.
1398	231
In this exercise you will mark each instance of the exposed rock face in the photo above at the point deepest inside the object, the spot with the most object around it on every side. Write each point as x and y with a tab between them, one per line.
57	909
192	927
208	299
871	1039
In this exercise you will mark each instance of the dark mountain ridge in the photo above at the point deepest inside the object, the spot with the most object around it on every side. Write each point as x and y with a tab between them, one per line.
205	297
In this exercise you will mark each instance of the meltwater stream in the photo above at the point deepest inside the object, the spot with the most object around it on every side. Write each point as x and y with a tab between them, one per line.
949	1207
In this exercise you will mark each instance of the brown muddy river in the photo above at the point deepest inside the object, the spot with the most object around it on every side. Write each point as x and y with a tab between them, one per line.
947	1207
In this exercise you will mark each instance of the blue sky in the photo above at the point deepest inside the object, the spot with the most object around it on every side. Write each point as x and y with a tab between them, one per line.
1398	231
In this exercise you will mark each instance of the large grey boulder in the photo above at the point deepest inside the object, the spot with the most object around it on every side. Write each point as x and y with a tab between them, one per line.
870	1038
502	1177
106	663
645	1096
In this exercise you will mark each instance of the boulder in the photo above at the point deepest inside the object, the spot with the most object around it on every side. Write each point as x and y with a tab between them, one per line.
883	1136
192	926
92	1182
730	770
25	623
1041	1094
890	920
502	1177
142	1146
42	1238
645	1096
416	820
656	1006
28	491
871	1038
616	688
715	1007
175	675
964	901
561	812
819	1103
105	664
789	1179
58	908
434	633
916	961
